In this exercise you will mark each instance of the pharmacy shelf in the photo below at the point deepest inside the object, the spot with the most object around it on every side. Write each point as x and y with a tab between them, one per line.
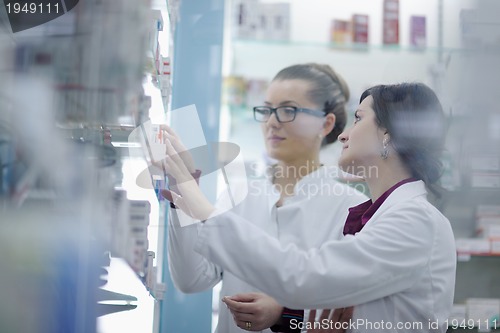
466	257
93	76
349	47
256	59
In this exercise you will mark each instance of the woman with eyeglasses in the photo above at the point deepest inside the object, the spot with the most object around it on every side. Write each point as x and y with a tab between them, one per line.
299	203
398	271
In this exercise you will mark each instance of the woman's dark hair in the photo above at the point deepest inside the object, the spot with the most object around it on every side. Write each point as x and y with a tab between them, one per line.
414	118
328	90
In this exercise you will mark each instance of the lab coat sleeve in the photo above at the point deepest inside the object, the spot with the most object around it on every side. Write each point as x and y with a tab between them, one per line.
381	260
190	271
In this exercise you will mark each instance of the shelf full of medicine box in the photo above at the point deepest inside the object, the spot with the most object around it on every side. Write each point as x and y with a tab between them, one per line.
98	70
96	67
487	234
81	101
157	65
476	314
129	240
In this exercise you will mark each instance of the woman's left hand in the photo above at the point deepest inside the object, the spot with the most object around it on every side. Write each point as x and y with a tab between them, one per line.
186	193
253	311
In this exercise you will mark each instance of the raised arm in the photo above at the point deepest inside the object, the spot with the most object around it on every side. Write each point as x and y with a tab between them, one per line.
190	271
383	259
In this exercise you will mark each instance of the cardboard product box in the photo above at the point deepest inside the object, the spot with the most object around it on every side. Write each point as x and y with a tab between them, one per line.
488	221
139	213
154	27
165	65
139	219
495	246
485	179
360	28
245	18
473	246
340	32
391	22
488	226
273	22
166	88
139	231
484	312
256	92
492	231
136	257
120	227
418	33
234	91
488	210
458	314
263	21
140	206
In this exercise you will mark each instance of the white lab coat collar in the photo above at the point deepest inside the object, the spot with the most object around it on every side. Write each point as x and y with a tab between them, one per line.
403	193
312	177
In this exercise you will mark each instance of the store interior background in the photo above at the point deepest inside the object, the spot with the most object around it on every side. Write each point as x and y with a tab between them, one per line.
46	223
257	60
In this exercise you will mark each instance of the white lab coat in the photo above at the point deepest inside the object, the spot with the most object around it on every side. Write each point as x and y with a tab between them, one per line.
314	215
399	270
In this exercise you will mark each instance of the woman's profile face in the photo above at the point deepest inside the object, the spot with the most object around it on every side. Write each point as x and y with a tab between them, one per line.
362	142
294	140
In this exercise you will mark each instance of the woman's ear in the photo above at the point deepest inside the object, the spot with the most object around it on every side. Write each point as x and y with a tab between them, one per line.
328	124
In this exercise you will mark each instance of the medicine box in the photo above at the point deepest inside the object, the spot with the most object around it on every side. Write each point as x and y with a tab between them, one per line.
483	311
472	246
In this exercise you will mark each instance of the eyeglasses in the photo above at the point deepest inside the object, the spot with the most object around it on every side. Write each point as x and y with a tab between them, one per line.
284	114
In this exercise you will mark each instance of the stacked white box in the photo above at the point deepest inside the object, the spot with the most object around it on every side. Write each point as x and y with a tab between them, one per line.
458	314
164	79
245	18
277	18
155	288
484	313
478	246
485	171
154	27
120	224
138	237
262	21
488	225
